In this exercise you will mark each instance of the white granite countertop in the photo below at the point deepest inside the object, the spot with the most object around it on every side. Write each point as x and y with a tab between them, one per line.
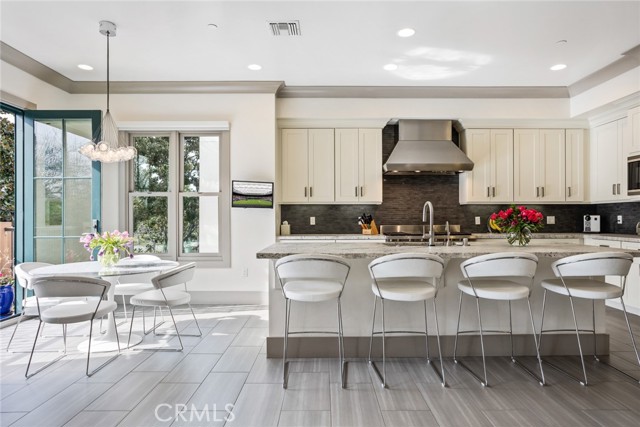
332	237
534	235
617	237
374	250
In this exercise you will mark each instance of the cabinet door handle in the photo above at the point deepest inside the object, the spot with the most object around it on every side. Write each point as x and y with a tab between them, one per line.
542	191
493	191
613	191
305	191
310	191
618	189
488	194
537	191
568	191
356	188
361	191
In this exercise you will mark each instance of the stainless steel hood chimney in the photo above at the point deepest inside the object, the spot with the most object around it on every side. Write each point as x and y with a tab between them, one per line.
426	147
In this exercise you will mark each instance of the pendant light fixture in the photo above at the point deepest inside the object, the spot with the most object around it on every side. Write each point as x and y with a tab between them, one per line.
107	148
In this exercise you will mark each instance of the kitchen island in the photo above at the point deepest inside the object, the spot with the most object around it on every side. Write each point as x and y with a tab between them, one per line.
357	304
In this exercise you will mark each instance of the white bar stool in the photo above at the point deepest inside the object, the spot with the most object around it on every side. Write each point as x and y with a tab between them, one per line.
405	277
575	280
492	277
309	279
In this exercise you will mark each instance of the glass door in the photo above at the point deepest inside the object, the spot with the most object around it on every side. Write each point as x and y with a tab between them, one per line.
62	187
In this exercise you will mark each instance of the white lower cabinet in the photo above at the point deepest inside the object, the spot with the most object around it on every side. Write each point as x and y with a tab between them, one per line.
632	288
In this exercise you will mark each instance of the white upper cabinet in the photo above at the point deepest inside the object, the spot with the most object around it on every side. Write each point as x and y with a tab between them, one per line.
634	130
307	165
358	165
608	171
575	145
491	179
539	165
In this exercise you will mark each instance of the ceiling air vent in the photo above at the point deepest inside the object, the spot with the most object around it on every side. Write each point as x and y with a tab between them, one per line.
289	28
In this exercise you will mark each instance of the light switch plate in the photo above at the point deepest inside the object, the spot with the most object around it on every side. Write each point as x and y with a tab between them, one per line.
551	220
312	220
477	220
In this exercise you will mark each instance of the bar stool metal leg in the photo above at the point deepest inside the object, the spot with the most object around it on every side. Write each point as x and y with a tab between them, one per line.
575	321
441	374
593	318
484	363
455	342
426	331
373	323
343	363
633	340
285	363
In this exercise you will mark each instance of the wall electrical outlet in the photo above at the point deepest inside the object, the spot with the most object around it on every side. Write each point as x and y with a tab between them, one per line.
245	272
619	219
551	219
312	220
477	220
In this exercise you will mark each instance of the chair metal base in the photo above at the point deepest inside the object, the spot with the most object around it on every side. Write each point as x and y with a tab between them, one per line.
577	330
485	382
178	334
383	376
340	334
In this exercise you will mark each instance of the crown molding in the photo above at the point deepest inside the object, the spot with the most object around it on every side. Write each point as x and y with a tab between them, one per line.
29	65
523	123
423	92
629	61
330	123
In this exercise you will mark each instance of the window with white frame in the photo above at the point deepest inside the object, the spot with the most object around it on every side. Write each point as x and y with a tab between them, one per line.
179	195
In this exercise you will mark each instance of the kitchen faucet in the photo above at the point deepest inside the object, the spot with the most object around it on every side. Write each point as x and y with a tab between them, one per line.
424	219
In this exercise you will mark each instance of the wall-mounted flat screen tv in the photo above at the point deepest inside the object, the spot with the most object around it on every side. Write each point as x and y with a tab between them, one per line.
251	194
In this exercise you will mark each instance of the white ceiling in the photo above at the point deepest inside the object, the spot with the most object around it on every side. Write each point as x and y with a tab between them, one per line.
477	43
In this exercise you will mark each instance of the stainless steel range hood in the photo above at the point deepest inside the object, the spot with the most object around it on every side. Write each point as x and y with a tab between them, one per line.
426	147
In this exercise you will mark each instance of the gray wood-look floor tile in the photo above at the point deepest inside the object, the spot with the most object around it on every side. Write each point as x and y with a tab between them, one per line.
250	337
194	368
218	390
257	322
237	359
127	393
199	418
355	406
214	342
409	419
450	409
161	361
307	391
114	372
305	419
8	389
266	371
258	406
401	393
609	418
311	365
513	417
357	372
8	418
158	407
97	419
230	325
58	410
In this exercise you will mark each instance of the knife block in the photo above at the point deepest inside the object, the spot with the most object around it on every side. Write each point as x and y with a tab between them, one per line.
373	229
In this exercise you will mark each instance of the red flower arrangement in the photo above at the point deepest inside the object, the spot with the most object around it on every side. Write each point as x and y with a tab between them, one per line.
518	222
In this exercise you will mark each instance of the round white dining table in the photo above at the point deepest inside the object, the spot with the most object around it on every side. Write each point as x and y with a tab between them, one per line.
126	267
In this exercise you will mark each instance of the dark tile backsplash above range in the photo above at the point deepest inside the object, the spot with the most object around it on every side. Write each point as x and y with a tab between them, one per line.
404	196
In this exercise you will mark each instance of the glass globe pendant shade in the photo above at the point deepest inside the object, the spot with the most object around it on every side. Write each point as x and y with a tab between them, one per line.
108	149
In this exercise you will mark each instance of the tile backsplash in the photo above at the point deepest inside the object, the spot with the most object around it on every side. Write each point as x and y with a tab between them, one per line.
404	196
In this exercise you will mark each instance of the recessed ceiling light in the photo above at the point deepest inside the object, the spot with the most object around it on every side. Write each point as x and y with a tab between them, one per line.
390	67
558	67
85	67
406	32
254	67
212	26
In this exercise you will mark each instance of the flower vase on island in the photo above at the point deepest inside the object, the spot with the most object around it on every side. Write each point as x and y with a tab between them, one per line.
519	223
111	246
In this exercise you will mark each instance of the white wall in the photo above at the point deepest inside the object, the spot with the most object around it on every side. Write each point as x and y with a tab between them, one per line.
461	109
604	96
252	139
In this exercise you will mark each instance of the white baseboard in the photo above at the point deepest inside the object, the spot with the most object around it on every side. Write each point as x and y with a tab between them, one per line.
630	309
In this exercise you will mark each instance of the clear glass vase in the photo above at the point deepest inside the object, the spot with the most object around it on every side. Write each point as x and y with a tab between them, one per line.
519	237
108	259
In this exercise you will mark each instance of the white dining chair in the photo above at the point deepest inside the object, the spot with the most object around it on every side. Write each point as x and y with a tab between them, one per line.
581	276
29	307
94	305
129	289
408	277
166	294
503	276
312	279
